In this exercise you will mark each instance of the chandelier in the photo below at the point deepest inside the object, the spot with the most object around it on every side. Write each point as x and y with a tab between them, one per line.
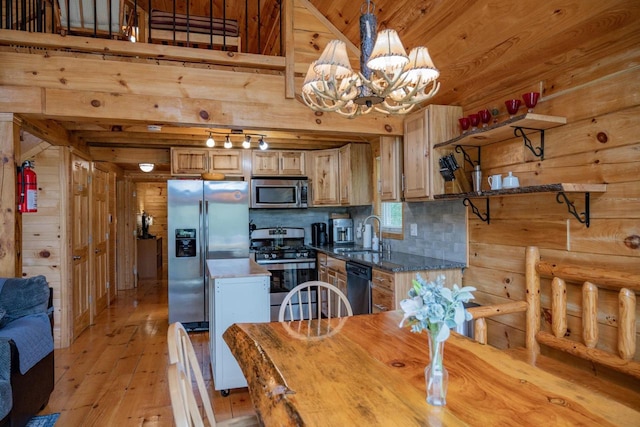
389	80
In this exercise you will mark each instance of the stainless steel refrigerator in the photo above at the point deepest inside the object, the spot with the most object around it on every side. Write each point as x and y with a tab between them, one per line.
206	219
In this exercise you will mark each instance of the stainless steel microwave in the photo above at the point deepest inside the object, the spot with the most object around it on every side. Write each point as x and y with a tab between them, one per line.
279	192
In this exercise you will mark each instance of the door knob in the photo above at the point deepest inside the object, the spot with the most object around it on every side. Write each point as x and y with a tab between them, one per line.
76	257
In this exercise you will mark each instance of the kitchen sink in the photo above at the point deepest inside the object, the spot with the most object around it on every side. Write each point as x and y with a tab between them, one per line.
352	251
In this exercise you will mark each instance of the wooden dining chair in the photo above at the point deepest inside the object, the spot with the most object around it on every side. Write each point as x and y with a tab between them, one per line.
313	300
185	408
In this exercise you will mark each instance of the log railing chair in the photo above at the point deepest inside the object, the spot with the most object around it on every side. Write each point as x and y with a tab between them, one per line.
610	365
313	300
184	368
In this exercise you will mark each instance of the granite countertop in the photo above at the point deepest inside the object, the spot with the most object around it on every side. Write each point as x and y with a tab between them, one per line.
394	261
236	267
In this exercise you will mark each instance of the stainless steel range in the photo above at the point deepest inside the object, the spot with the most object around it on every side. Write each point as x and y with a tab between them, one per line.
282	251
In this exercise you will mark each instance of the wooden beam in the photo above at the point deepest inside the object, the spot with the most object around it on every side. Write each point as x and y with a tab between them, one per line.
130	155
140	50
279	115
290	63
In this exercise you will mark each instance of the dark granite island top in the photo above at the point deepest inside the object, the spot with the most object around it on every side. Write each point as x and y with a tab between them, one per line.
394	261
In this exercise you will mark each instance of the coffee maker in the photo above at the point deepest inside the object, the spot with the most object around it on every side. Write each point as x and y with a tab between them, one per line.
318	234
341	231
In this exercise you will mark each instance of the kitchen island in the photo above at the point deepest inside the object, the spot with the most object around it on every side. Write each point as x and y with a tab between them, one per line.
238	292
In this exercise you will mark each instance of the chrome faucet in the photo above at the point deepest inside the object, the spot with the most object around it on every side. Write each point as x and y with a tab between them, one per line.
379	229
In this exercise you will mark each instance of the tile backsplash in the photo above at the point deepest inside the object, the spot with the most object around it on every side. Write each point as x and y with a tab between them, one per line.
441	225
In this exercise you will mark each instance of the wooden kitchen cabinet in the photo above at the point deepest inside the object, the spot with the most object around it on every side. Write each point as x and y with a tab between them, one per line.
273	163
323	177
342	176
389	288
356	174
192	162
423	130
333	271
390	169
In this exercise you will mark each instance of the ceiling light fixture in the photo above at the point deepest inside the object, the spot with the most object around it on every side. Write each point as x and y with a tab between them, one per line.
227	142
389	81
247	142
210	141
146	167
262	144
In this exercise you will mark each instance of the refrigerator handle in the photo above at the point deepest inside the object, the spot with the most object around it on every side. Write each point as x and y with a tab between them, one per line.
206	231
203	252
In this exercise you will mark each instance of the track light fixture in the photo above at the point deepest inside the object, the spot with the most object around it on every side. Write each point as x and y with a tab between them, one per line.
210	141
246	142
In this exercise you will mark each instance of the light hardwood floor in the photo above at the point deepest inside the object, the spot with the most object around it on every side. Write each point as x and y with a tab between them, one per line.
114	374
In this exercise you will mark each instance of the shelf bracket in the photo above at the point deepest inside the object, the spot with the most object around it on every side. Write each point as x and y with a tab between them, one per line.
483	217
583	217
467	158
537	151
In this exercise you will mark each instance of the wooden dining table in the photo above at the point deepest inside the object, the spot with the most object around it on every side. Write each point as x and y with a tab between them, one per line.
367	371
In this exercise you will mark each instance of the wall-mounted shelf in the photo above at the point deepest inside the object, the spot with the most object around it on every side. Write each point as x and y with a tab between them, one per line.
504	130
519	126
561	197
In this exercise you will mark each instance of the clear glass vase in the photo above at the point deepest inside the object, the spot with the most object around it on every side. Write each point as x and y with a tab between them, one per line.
435	374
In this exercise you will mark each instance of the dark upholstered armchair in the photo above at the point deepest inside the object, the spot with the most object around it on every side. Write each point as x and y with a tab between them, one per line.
26	349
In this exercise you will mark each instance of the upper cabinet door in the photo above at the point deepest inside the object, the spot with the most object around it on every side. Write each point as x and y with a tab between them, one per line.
423	130
271	163
416	157
186	161
390	169
292	163
324	177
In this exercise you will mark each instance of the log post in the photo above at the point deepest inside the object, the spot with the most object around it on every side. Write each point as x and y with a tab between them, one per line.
532	256
10	218
558	307
590	314
480	330
627	324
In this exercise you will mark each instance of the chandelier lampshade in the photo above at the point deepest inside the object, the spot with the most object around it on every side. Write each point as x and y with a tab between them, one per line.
334	61
389	80
388	53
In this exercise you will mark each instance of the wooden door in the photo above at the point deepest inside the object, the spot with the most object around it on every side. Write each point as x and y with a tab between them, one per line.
292	163
81	292
416	157
264	163
185	161
390	168
324	183
100	239
345	175
226	161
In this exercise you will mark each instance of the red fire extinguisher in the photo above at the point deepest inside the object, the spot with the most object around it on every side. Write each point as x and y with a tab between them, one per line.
27	188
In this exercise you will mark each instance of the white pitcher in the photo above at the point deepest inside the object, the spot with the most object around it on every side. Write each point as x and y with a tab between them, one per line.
495	181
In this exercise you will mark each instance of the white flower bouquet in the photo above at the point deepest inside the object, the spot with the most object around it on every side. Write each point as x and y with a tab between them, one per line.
436	308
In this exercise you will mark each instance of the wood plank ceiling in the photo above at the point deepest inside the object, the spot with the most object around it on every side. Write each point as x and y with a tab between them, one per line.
483	48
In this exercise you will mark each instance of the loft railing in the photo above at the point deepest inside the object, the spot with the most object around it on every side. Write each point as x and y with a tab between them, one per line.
252	26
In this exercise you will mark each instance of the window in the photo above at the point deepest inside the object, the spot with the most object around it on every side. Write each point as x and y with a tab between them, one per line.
391	214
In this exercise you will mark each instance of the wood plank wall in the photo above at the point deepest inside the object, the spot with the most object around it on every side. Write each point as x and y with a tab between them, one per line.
599	144
43	243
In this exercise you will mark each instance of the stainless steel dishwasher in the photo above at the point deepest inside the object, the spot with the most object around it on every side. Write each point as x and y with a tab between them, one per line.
359	287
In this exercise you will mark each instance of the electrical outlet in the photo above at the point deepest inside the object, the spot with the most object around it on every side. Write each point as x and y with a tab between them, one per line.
414	229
